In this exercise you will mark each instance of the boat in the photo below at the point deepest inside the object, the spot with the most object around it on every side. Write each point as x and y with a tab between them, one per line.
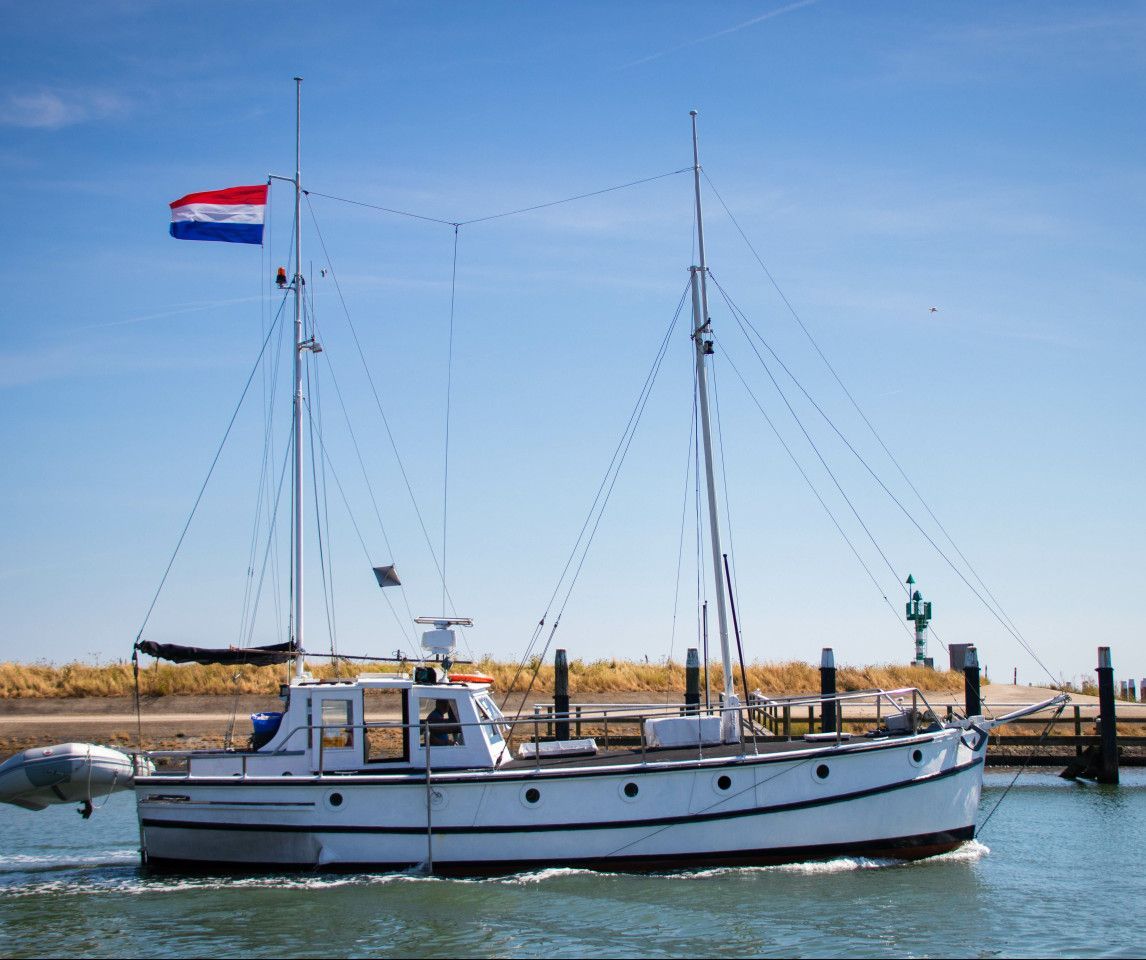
65	773
392	771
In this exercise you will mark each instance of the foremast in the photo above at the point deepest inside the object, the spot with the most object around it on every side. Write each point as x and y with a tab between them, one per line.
701	330
300	344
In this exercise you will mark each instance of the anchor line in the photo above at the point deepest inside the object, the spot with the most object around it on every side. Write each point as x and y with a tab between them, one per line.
1046	730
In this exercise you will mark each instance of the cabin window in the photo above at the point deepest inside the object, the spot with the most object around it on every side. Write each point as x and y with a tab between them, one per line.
488	714
385	715
337	724
440	726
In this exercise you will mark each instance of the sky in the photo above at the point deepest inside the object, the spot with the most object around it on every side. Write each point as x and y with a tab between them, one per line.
948	198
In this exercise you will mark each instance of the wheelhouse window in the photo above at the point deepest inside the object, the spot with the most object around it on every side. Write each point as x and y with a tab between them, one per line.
385	716
337	724
489	714
439	723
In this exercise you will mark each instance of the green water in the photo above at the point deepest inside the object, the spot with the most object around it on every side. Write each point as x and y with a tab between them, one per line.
1056	872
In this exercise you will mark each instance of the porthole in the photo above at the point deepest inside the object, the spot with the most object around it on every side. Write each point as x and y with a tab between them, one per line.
724	782
438	799
631	790
530	796
822	771
334	800
916	757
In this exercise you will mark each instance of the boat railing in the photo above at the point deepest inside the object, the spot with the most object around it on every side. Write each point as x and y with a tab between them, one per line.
760	719
771	716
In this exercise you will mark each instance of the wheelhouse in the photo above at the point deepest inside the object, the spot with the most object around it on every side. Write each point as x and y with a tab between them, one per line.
369	725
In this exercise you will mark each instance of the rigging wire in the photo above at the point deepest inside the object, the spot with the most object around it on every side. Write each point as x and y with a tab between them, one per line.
377	398
701	580
816	493
449	385
210	472
807	435
365	472
580	196
357	529
272	541
735	583
264	485
314	412
997	614
494	216
615	463
683	518
373	206
604	491
1001	613
276	584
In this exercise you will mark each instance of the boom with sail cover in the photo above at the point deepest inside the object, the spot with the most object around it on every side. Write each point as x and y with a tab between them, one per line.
255	656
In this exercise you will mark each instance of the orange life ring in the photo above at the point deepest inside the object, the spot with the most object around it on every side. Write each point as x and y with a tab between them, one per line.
469	678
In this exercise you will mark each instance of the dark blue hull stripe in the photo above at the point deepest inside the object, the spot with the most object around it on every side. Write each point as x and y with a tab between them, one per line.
902	848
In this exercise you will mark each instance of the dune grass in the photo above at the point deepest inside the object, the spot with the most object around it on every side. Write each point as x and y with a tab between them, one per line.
157	678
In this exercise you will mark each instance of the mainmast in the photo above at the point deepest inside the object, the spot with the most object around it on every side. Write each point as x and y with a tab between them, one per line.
299	346
701	325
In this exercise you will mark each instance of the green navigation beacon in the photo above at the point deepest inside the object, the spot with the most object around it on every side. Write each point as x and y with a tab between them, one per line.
919	612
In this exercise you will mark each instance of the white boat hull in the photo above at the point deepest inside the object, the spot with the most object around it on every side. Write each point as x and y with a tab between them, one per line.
907	797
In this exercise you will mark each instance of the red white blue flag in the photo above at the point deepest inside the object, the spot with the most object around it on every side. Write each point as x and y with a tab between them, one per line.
234	215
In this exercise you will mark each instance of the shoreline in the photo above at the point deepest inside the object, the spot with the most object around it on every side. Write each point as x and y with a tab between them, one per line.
179	722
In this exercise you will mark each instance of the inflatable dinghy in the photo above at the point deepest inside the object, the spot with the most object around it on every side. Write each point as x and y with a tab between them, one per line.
64	773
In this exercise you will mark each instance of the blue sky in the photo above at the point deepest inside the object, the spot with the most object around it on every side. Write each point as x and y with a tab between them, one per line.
883	158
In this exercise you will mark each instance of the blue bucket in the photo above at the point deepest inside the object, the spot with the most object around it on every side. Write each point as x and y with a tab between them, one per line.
266	726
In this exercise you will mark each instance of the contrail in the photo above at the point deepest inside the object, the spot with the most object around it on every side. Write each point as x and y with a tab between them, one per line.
721	33
192	308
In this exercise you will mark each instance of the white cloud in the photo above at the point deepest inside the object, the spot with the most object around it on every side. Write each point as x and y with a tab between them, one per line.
53	109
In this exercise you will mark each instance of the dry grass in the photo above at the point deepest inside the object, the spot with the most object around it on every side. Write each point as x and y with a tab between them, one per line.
598	676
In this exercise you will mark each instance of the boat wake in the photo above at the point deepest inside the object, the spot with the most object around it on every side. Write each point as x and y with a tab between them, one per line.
969	852
16	868
115	872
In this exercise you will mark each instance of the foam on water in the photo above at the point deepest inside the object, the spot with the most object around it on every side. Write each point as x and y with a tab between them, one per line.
25	862
969	852
103	872
549	873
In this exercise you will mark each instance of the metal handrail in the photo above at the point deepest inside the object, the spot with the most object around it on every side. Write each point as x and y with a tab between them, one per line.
507	726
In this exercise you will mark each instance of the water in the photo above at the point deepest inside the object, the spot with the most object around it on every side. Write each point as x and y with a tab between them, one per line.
1055	873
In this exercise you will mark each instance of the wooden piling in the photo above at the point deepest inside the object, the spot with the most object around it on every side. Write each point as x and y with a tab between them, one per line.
692	681
561	694
827	689
972	701
1107	722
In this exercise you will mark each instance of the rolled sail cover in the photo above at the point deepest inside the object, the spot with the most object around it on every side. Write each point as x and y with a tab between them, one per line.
255	656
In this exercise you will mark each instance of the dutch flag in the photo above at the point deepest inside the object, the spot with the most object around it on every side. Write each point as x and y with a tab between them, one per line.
234	215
